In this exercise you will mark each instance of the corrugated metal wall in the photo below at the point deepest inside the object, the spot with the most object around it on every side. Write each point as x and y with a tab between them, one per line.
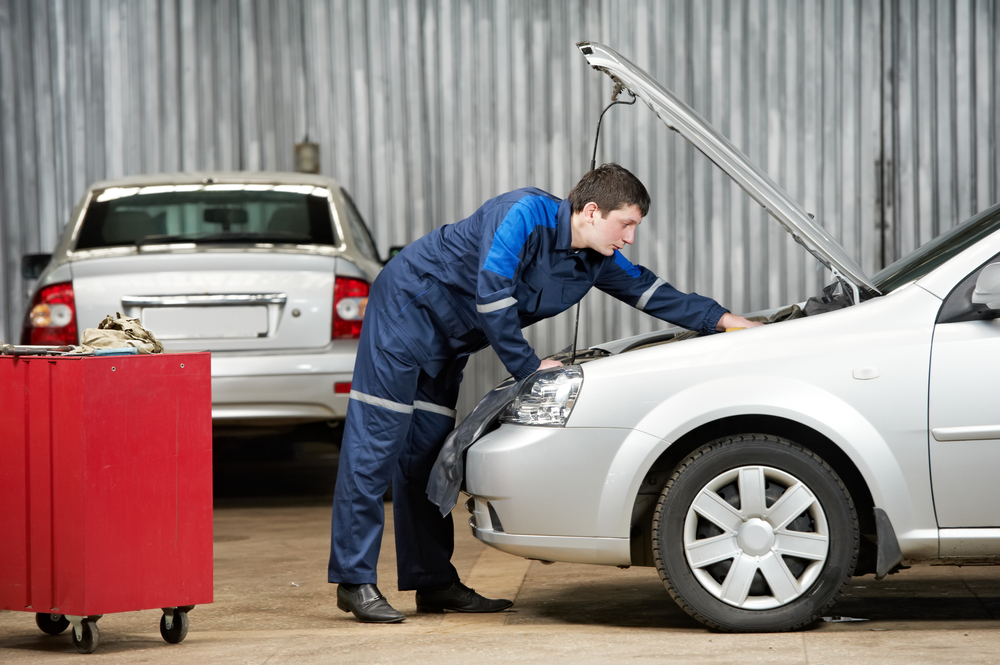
941	110
880	117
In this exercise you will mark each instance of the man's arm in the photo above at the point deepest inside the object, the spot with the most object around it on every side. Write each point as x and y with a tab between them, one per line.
726	321
502	256
640	288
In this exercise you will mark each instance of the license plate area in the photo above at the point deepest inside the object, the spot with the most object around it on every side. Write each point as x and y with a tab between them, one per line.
228	322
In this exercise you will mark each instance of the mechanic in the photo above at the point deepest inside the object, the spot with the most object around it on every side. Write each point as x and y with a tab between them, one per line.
522	257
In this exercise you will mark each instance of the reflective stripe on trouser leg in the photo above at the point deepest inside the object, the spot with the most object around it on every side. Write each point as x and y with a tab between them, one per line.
374	435
425	540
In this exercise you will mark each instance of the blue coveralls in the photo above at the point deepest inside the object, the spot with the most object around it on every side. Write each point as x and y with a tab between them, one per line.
443	297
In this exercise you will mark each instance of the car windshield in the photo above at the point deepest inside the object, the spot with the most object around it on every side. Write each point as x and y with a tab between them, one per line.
233	213
930	255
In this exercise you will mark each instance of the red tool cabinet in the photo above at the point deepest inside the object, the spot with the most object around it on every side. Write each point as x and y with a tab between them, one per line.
105	488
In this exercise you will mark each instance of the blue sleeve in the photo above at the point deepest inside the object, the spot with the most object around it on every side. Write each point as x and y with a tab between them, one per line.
506	246
643	290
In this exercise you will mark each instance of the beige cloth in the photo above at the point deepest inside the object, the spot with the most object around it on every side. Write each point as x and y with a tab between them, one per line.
116	332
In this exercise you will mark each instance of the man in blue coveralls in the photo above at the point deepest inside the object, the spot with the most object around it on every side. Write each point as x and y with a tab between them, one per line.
522	257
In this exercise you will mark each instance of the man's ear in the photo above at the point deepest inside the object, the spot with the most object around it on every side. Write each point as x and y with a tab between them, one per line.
589	210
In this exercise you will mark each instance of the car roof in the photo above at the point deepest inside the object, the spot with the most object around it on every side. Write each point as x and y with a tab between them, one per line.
212	177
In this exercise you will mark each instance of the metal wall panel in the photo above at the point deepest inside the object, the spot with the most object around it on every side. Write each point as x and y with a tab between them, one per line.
941	88
880	117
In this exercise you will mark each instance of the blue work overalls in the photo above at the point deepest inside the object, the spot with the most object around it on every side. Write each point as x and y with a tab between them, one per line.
443	297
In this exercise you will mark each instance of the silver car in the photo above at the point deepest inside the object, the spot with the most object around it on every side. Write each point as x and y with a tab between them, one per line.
268	271
759	470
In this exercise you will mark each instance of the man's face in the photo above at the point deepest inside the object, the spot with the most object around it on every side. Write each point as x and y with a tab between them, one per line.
614	230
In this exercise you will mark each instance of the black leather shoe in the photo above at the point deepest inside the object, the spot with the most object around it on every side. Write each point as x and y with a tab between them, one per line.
458	598
368	604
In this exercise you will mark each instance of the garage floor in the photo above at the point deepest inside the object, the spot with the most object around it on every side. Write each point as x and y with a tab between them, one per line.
273	605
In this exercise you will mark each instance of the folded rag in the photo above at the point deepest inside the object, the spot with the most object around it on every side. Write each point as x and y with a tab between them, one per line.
116	332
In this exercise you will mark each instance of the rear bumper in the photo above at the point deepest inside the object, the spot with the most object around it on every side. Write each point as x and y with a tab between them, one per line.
269	390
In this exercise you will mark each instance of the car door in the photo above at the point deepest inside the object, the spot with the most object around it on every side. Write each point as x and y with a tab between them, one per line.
963	416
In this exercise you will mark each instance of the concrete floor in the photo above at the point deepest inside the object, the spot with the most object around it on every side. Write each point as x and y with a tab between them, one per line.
273	605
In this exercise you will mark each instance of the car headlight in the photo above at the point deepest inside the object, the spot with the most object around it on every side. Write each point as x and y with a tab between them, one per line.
546	398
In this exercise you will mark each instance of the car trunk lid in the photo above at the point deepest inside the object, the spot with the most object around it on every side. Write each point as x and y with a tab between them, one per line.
214	300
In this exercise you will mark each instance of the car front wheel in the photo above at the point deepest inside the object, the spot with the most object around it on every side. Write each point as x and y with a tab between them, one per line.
754	533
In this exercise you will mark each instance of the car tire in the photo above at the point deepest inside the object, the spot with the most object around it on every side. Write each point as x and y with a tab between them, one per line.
754	533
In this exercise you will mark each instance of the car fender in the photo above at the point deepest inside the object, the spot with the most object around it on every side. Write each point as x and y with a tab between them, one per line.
911	512
54	274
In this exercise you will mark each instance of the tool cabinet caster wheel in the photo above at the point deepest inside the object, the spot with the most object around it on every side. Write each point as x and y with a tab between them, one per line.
90	638
53	624
179	628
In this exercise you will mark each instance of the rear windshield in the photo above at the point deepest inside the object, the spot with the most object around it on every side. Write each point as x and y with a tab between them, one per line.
362	236
222	213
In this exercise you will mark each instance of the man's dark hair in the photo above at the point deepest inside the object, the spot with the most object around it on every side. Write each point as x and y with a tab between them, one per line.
611	187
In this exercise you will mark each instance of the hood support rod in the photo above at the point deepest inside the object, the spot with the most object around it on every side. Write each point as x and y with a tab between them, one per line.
593	164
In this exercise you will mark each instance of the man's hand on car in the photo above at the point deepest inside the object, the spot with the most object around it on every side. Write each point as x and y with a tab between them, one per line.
730	321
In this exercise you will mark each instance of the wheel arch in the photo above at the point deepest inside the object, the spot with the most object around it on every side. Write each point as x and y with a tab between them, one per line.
810	438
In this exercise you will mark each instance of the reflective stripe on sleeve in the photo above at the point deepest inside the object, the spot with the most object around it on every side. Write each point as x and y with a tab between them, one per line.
644	300
435	408
494	306
384	403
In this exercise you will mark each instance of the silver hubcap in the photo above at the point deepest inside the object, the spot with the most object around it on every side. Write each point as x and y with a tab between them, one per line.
756	537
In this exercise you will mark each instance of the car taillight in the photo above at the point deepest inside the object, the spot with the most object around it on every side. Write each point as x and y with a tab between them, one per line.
350	297
51	319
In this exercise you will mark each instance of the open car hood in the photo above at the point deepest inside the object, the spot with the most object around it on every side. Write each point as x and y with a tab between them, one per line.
448	471
681	118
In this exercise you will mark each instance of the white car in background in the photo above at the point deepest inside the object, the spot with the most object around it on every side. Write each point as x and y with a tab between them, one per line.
759	470
268	271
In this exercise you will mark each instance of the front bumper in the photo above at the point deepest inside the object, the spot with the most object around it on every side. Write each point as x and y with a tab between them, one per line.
559	494
607	551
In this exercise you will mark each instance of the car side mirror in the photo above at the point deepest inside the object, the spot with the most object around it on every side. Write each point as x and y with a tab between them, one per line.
32	265
393	251
987	291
